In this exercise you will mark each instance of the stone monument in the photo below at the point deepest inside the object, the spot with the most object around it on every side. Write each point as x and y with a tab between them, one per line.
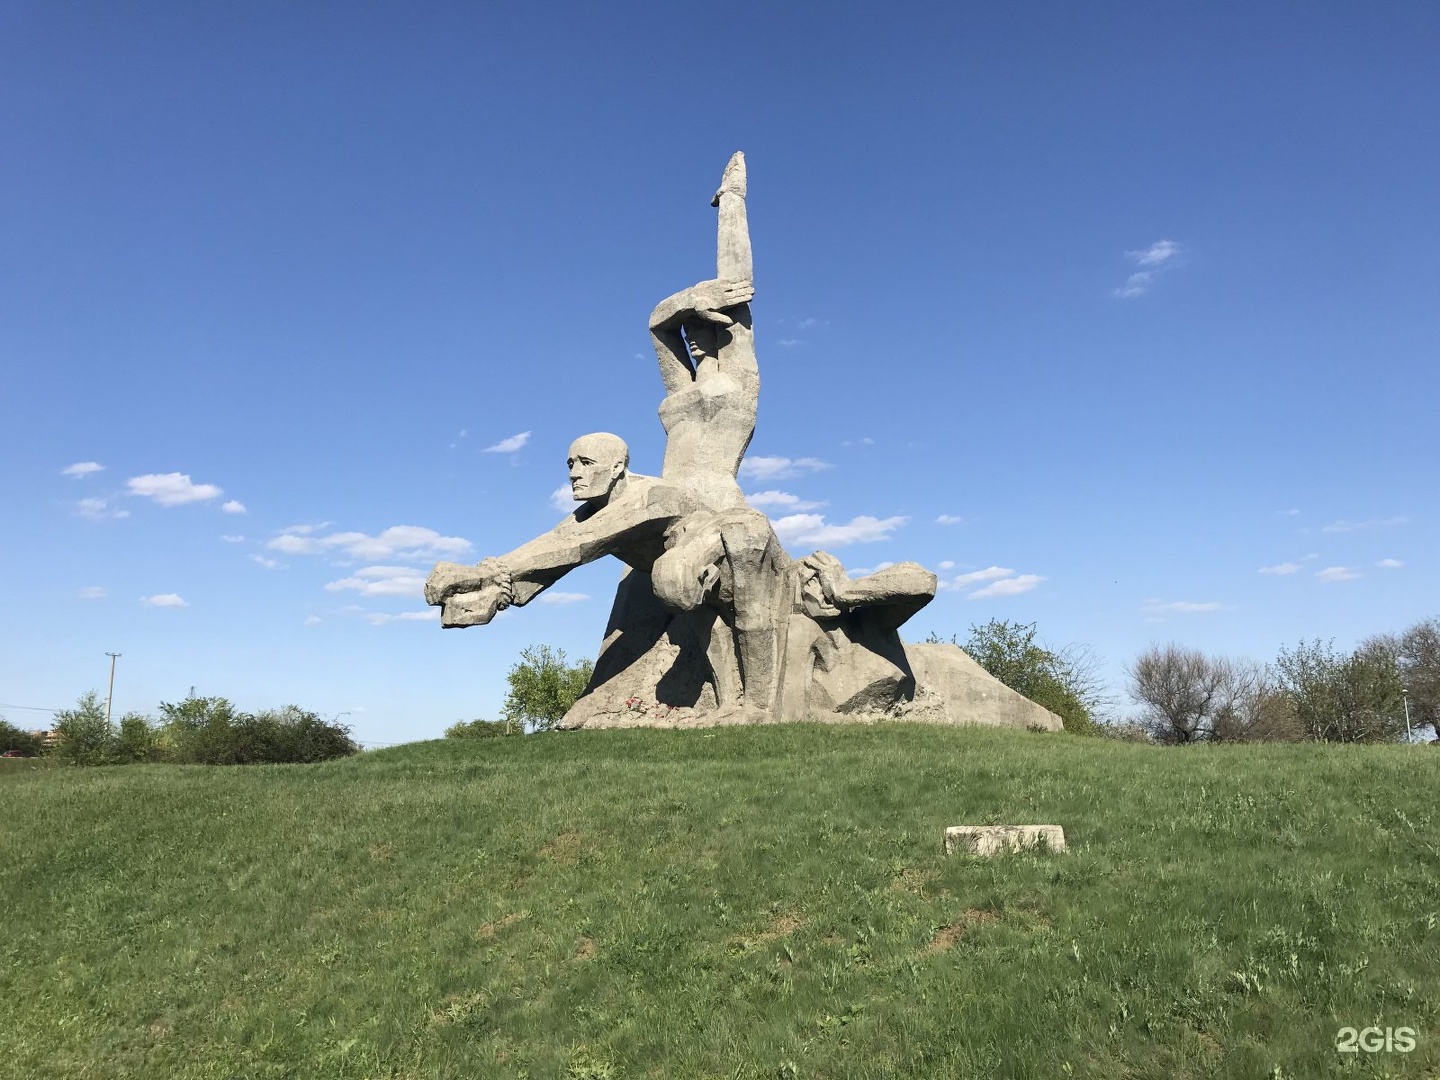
713	622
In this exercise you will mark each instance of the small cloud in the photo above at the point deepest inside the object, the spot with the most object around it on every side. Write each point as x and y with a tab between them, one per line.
810	320
780	468
1356	526
313	620
782	500
234	506
1281	568
1156	259
398	541
1157	254
233	539
1337	573
268	564
812	530
560	599
382	581
1289	513
82	469
975	577
376	618
790	342
164	600
1389	564
99	510
1008	587
1181	607
949	519
866	571
948	564
92	592
303	530
563	499
863	441
171	489
510	445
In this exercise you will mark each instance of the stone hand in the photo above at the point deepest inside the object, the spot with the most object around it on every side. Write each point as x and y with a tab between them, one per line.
449	578
829	572
708	298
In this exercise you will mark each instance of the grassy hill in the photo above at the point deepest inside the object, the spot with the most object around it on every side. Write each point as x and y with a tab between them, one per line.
768	903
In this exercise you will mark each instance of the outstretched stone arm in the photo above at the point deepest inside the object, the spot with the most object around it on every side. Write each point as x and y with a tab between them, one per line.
631	528
888	597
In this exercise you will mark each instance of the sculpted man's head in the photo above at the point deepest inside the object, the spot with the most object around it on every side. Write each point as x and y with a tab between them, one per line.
597	463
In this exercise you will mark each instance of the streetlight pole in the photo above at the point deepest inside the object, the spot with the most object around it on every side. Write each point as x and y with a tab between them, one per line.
109	697
1405	697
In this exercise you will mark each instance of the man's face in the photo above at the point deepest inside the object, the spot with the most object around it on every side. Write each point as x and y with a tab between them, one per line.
593	470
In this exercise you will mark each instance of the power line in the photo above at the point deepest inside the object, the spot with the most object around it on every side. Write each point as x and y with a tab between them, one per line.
29	708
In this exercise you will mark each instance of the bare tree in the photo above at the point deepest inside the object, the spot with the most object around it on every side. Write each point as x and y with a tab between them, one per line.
1416	654
1186	696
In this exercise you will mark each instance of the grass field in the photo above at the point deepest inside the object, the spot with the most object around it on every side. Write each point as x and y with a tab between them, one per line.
766	903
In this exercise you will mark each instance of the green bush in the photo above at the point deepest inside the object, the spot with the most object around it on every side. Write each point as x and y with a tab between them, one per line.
83	735
481	729
14	738
137	740
543	687
1058	681
211	731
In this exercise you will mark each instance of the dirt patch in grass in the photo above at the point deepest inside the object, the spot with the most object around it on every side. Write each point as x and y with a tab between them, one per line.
910	880
947	936
490	929
564	849
586	950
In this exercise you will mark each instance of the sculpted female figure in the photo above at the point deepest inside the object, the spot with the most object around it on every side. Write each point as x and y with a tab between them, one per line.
705	343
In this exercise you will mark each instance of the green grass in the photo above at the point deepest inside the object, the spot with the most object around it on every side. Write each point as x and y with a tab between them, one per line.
763	902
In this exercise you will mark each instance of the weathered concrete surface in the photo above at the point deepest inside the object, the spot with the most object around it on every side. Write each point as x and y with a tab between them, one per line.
954	689
995	839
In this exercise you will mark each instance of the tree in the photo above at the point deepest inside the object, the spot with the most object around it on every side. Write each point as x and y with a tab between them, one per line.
20	740
1065	682
137	740
543	687
83	735
1340	698
1187	697
1417	653
211	731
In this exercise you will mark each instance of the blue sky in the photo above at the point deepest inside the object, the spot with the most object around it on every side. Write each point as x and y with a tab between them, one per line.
1123	318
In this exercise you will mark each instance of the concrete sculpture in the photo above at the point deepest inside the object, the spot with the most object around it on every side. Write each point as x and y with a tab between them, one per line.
713	622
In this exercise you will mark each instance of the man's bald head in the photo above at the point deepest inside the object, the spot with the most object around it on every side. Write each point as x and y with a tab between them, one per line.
597	463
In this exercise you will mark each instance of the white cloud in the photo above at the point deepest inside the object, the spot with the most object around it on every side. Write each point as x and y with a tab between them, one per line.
1158	253
1389	564
948	519
268	564
171	489
812	530
92	592
1156	259
234	506
99	510
975	577
313	620
864	440
948	564
810	320
508	446
783	500
1281	568
164	600
1292	512
779	468
1181	607
382	581
1356	526
232	539
1337	573
560	599
790	342
403	541
303	530
377	618
563	499
82	469
1008	587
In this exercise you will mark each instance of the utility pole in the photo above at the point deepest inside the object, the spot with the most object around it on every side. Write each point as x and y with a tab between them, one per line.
111	695
1405	696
